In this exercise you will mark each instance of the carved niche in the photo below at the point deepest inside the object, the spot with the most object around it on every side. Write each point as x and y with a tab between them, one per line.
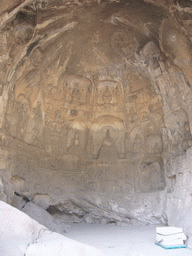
106	133
154	144
150	176
75	145
76	90
137	142
108	99
178	138
71	96
77	137
142	101
108	147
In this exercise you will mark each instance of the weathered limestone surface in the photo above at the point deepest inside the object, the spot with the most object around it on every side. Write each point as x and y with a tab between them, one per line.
178	197
18	231
20	235
95	108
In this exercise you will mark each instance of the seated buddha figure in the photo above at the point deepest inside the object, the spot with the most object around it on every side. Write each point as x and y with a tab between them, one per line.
108	147
75	147
76	94
107	95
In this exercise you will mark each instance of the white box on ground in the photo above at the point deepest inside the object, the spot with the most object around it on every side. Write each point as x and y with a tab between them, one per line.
160	238
168	230
170	236
172	243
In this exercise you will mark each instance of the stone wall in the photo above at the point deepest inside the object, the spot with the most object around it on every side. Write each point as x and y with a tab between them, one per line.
179	187
95	107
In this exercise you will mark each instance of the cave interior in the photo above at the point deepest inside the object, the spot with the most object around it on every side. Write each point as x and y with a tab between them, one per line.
96	109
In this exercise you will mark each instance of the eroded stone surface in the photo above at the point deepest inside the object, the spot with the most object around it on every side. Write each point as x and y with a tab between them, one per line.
20	235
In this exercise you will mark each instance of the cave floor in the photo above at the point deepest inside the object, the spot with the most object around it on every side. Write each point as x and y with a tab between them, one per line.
122	241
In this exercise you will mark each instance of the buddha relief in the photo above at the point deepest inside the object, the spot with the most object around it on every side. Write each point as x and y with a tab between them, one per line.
88	95
154	144
77	90
137	144
108	92
76	94
108	147
107	95
150	176
178	130
75	146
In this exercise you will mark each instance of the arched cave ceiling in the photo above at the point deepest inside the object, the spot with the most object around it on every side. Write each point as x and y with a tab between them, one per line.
95	102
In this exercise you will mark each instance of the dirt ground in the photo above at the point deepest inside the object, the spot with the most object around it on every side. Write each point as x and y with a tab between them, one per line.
122	241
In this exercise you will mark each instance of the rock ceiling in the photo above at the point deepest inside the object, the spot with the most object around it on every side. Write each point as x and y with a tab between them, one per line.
9	5
95	100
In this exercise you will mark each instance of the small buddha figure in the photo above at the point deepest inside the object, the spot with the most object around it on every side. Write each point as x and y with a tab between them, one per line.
88	95
118	94
178	137
145	184
127	143
75	147
76	95
107	96
49	110
108	147
157	148
64	94
137	145
96	95
187	137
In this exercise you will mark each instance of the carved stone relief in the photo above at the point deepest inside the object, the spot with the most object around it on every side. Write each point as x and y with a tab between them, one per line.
154	144
95	104
137	143
150	177
106	132
108	148
75	145
108	98
178	132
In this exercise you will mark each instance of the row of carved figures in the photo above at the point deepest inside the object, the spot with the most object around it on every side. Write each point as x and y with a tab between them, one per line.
79	95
